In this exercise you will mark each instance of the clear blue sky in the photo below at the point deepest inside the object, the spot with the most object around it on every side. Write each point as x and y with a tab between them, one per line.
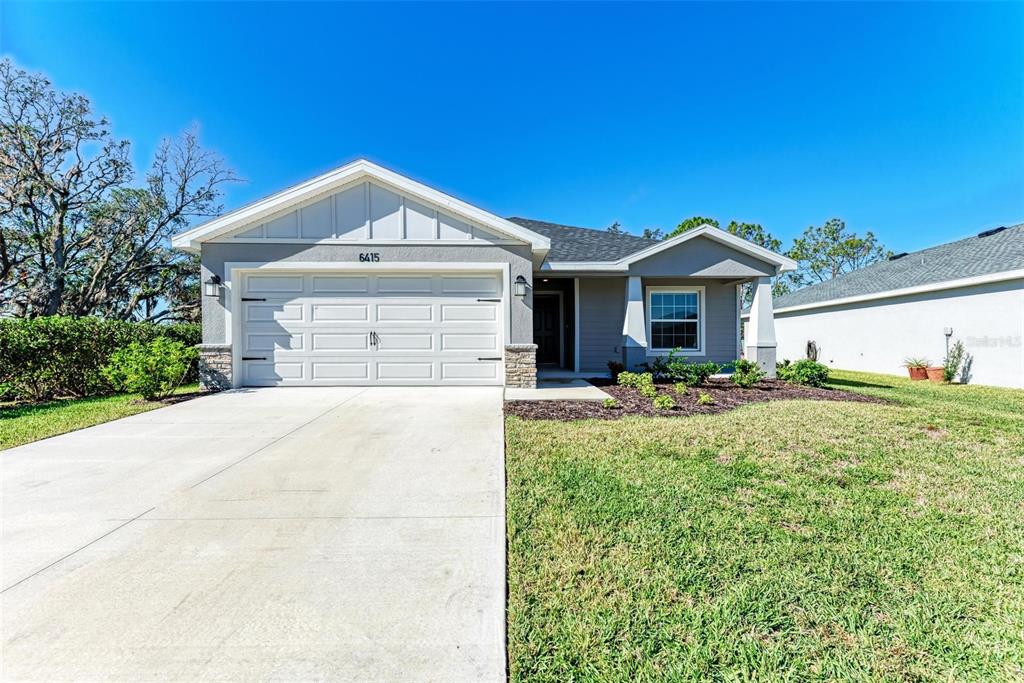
904	119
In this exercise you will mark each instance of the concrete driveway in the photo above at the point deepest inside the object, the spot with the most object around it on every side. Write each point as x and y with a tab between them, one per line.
316	533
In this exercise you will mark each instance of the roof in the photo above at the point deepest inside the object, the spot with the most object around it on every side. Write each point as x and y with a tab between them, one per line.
569	243
333	180
974	257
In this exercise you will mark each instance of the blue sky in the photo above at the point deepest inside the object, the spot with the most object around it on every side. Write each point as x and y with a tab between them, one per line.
904	119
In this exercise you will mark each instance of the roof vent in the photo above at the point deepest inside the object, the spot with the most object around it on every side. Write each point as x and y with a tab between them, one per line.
898	256
993	231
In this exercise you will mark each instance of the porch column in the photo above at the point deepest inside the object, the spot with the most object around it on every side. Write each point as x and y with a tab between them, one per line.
760	330
634	328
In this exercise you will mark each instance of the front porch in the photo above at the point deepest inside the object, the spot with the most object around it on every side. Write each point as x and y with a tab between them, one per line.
584	322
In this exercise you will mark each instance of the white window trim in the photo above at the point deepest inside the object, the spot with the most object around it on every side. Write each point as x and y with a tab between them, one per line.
701	349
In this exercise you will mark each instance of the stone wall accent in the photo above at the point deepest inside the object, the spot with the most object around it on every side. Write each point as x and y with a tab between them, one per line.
521	366
214	366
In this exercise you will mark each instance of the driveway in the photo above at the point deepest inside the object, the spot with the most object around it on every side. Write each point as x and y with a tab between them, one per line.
314	533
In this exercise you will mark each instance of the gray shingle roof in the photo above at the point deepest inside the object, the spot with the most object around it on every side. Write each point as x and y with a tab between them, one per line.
969	257
569	243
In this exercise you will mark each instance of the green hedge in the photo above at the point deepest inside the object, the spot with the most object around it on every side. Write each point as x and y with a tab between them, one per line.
58	356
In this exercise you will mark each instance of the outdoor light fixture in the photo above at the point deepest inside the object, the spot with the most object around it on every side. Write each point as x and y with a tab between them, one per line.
520	286
212	286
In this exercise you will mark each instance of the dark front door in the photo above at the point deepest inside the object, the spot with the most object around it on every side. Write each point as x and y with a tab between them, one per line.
545	328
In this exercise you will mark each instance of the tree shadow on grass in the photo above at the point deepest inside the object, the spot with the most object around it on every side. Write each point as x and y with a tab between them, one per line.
857	383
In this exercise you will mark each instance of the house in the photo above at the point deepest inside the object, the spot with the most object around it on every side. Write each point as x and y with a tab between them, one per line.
913	305
364	276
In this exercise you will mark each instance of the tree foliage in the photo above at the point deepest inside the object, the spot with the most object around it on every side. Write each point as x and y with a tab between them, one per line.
691	223
75	236
829	250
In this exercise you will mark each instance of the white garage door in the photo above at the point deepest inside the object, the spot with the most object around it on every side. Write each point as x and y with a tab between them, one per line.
362	329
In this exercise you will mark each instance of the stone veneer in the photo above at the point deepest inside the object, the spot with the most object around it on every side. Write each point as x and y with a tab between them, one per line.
214	366
521	366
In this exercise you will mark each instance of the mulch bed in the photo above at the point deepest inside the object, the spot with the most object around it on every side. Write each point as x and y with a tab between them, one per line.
726	395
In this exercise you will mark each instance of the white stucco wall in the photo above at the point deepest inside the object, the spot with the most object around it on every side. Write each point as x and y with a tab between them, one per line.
876	336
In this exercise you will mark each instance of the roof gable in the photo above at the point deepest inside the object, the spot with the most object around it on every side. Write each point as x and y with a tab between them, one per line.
332	203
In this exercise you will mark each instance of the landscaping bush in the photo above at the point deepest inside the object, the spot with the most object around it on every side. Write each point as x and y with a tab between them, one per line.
59	356
663	402
677	368
705	399
953	360
804	371
610	403
154	369
636	380
747	373
615	368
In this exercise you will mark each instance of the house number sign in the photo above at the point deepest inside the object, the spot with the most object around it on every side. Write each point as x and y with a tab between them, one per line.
369	257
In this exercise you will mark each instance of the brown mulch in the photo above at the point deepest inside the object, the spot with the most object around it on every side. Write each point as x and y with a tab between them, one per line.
177	398
726	395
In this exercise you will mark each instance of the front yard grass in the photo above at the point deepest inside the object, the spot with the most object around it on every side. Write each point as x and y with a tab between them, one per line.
790	540
21	424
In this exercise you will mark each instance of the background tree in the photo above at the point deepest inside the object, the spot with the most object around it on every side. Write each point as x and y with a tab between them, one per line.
827	251
616	228
690	224
75	237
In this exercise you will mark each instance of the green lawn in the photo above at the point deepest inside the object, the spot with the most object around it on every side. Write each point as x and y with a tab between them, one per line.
26	423
796	540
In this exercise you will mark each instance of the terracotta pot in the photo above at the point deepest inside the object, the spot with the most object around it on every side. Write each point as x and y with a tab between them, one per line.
936	374
918	373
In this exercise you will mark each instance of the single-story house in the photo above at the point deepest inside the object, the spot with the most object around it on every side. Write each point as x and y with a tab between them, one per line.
914	305
363	276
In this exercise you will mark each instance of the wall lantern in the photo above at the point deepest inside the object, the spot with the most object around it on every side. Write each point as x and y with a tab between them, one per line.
212	286
520	286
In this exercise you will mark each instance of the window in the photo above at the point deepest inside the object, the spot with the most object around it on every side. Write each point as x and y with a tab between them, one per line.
675	316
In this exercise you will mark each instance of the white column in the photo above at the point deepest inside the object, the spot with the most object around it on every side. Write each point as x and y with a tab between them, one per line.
760	330
634	328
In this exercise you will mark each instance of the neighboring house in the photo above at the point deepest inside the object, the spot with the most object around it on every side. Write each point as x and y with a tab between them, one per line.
363	276
874	318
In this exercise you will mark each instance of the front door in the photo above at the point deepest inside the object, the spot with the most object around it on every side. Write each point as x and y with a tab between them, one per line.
546	324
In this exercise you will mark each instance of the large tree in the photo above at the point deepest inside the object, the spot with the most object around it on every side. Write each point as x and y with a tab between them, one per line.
827	251
691	223
75	236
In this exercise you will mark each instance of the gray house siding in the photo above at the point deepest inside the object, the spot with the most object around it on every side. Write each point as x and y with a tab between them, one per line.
602	312
702	257
215	255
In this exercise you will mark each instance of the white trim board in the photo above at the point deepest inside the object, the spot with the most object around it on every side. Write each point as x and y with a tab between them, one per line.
361	169
905	291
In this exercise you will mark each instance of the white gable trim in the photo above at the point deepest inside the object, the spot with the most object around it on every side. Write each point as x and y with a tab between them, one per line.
711	232
360	169
905	291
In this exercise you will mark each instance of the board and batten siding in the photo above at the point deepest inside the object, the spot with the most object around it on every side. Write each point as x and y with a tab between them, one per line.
602	313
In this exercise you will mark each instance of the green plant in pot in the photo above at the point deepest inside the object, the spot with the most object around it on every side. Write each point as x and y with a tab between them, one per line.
917	367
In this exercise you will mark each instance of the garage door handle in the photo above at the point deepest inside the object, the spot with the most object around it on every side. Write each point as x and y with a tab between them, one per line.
493	301
246	298
254	357
498	358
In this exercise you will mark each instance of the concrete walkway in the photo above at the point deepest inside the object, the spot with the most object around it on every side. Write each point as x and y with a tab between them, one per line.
320	533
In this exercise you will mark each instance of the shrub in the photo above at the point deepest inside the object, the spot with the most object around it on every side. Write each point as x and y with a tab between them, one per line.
610	403
635	379
693	374
952	362
747	373
680	388
615	368
705	399
153	370
648	391
805	371
59	356
663	402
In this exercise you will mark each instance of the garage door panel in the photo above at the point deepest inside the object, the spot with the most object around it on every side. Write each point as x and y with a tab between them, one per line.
345	341
327	312
272	312
356	370
317	329
405	313
271	284
271	341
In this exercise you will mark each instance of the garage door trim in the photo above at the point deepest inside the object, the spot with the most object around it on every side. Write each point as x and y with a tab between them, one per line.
233	294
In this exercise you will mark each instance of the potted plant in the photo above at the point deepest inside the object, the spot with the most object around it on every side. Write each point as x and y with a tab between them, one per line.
917	367
937	373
